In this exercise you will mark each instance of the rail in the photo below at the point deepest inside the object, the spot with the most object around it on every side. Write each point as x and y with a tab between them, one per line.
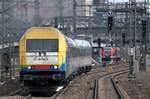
119	94
96	86
95	92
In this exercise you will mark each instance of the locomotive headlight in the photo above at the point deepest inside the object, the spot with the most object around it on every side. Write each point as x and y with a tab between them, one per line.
29	67
55	67
59	88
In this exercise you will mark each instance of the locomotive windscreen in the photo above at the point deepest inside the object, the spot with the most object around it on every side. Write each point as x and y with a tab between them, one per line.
47	45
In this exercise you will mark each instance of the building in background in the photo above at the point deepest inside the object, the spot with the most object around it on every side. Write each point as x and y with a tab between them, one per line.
25	10
53	8
98	2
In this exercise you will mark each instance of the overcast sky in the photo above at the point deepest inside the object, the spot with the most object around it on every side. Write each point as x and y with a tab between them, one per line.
123	0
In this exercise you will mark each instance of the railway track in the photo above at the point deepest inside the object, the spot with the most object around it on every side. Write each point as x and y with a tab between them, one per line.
95	72
24	94
90	77
121	93
98	93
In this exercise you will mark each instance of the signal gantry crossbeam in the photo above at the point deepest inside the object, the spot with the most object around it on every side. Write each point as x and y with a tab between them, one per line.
93	24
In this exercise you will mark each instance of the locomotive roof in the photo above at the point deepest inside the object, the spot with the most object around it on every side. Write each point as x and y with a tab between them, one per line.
77	43
72	42
82	43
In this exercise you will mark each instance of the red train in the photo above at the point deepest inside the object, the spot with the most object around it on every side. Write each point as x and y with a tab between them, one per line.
106	54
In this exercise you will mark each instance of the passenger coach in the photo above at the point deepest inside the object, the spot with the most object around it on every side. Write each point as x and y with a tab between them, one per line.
47	57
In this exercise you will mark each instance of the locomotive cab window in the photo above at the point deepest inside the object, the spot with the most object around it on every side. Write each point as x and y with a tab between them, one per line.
48	45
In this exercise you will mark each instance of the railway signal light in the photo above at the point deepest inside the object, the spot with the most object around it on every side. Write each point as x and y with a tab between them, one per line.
144	28
110	23
98	41
56	22
123	38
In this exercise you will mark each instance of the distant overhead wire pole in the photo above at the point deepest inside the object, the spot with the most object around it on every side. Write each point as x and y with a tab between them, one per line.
7	33
25	5
145	31
74	18
134	36
147	3
2	36
36	13
130	44
60	7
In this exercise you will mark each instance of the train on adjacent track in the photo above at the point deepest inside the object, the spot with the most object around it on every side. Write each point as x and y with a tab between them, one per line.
106	54
49	58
